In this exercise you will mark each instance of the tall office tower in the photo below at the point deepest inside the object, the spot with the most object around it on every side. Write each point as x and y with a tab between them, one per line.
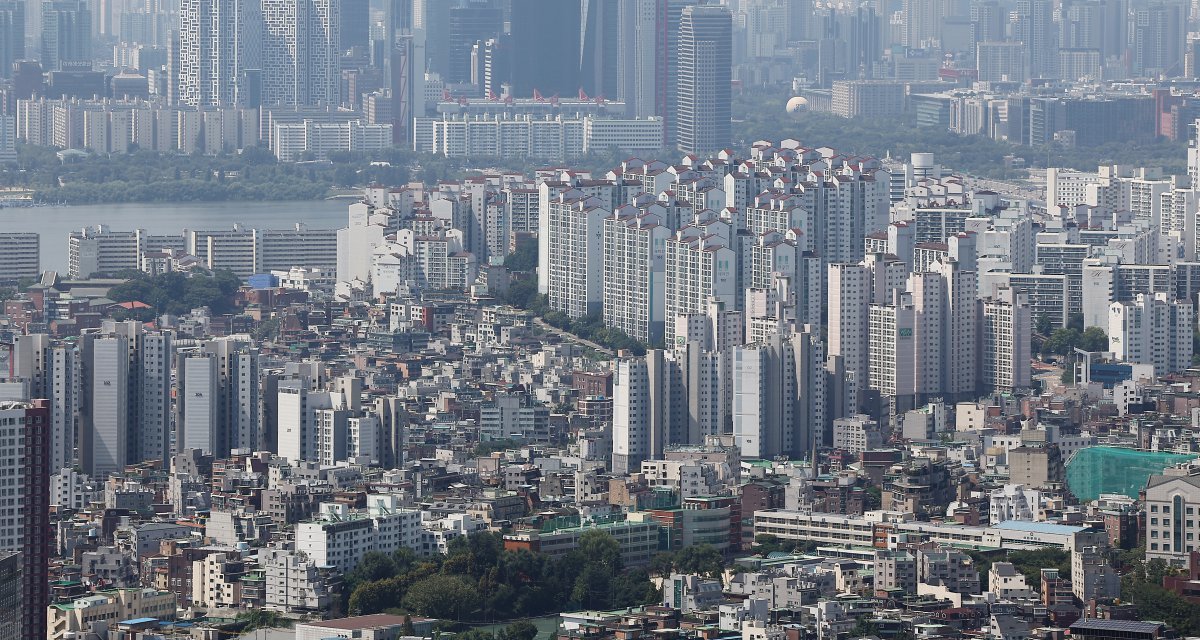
779	396
301	53
469	22
219	40
66	33
922	23
575	278
1114	28
799	16
355	21
1158	39
1035	26
599	53
648	59
1153	329
433	18
1006	326
705	77
546	45
638	431
633	273
408	84
1081	26
12	35
125	397
25	507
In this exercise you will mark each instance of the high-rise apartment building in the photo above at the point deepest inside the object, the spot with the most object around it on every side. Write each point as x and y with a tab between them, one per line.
217	399
1153	329
573	241
52	372
301	53
701	268
66	33
219	41
633	273
705	78
1006	327
126	397
779	396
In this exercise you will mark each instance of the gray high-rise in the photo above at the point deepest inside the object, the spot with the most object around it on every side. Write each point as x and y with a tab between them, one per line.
66	33
12	35
218	41
705	74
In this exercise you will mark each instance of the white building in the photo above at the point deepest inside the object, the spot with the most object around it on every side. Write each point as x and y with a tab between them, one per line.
1170	534
779	396
340	537
574	243
700	267
633	269
856	434
314	140
218	41
1005	333
1152	330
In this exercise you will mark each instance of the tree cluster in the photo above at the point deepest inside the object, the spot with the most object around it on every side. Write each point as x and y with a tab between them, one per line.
702	559
1141	585
179	293
766	119
1064	341
591	327
479	580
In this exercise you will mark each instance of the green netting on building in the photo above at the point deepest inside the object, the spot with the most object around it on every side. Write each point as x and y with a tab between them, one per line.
1098	470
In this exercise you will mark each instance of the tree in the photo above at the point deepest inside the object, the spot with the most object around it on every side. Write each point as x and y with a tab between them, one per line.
443	596
1093	339
519	630
702	559
1044	325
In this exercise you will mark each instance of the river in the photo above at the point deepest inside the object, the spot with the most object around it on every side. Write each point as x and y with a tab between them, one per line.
56	223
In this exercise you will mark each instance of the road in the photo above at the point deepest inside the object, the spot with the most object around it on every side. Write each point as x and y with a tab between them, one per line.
570	337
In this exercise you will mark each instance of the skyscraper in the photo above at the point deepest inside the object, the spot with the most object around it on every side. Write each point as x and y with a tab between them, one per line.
467	23
546	46
218	41
12	35
1035	27
301	52
705	75
647	58
25	506
66	33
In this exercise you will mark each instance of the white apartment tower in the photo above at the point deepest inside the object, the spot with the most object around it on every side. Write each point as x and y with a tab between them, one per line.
574	248
700	267
633	273
779	396
1152	330
1006	326
126	397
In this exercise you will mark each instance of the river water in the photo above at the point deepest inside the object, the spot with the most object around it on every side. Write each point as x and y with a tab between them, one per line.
56	223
